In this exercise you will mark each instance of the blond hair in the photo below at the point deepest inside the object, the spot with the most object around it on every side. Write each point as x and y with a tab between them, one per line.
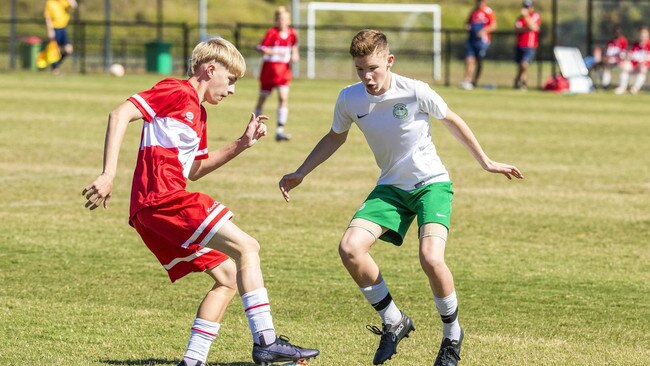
217	50
367	42
279	11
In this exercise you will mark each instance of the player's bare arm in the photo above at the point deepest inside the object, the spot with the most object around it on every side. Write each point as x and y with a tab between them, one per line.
461	131
255	130
321	152
100	190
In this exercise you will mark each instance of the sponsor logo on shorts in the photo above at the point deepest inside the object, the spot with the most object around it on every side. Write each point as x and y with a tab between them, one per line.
214	205
440	215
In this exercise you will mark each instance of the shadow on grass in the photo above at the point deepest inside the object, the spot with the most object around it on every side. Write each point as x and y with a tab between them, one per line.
155	361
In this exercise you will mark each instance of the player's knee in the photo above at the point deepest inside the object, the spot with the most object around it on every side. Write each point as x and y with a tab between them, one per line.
248	246
350	248
432	264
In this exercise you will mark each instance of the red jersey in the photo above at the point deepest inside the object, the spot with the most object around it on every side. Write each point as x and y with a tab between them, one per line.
528	38
640	54
616	47
173	136
479	19
281	43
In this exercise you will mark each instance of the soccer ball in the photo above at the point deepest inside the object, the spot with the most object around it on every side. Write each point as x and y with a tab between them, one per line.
116	70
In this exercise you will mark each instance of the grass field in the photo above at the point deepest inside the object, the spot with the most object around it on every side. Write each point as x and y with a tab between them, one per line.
552	270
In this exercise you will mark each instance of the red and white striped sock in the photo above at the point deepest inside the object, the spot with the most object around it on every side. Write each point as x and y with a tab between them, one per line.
203	334
258	312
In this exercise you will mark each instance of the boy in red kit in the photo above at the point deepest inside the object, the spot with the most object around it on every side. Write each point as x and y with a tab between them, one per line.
615	54
481	22
638	63
527	28
191	232
280	49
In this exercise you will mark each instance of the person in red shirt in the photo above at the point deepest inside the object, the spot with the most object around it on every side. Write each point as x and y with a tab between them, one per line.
480	23
615	53
190	231
527	27
638	62
280	49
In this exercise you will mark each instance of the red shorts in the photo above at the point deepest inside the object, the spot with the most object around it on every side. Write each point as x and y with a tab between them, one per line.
177	232
274	74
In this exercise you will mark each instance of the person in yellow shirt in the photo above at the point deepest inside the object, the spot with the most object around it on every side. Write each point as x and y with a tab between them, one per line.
57	16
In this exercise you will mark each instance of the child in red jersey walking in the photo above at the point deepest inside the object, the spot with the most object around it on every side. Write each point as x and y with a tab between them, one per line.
280	49
191	232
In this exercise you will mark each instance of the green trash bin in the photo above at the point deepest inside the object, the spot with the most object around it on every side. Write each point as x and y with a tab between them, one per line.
28	49
159	59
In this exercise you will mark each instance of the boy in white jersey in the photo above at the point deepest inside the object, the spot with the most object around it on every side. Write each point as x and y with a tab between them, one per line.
189	231
393	113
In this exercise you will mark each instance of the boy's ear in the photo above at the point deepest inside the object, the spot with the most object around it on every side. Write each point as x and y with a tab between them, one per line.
391	59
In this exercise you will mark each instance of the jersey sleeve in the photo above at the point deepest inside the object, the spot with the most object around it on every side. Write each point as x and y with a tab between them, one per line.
430	102
202	153
159	100
492	18
341	121
267	41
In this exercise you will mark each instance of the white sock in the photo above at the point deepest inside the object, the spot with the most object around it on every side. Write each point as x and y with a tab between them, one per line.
380	299
607	77
203	334
638	83
448	310
258	312
283	114
623	78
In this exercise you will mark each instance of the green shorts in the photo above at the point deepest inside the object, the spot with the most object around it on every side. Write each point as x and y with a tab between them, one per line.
394	208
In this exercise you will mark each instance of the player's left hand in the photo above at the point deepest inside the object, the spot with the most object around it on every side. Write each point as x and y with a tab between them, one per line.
255	130
508	170
98	192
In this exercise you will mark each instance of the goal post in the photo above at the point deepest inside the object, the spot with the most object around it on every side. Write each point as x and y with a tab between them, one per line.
434	9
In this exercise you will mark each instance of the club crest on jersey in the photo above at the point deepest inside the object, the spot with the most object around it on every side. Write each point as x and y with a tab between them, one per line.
189	117
400	111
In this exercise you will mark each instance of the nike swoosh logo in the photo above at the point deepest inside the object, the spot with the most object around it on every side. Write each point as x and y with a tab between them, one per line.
440	215
359	116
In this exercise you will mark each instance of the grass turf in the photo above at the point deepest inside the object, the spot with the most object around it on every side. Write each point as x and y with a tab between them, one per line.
550	270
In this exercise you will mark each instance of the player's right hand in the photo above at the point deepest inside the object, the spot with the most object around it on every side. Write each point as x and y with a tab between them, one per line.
289	182
98	192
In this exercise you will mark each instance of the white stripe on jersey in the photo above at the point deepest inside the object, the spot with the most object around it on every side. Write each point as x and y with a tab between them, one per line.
217	210
170	133
280	54
145	105
189	258
202	152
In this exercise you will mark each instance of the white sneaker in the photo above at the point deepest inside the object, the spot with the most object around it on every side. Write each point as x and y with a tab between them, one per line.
466	85
620	90
634	90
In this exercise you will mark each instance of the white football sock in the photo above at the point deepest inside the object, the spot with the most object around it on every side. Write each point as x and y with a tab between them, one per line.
379	297
203	334
448	310
638	83
258	312
623	78
283	114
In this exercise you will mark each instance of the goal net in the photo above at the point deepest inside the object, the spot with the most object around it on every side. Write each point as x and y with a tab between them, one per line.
415	43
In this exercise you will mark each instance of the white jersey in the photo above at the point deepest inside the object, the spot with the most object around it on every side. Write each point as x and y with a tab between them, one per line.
396	126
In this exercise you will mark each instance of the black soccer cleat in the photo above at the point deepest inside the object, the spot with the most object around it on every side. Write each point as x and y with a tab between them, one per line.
391	335
282	136
199	363
449	353
281	351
